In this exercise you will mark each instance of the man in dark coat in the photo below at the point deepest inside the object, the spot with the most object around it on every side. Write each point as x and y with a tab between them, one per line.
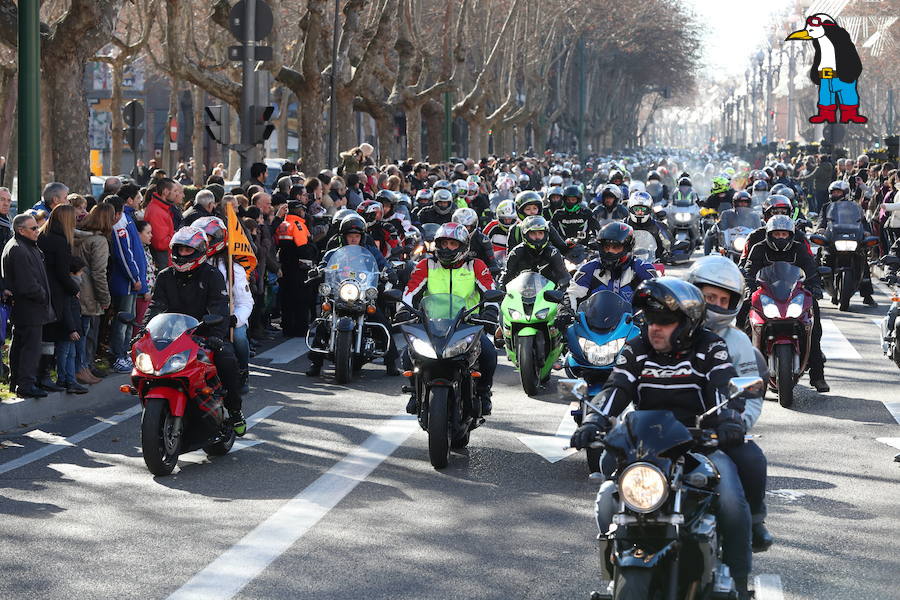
25	277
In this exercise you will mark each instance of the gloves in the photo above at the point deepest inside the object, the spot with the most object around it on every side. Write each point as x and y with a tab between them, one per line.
232	321
563	319
403	315
590	431
731	428
392	277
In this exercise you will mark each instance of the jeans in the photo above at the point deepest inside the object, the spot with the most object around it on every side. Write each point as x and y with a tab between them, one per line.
242	347
91	325
81	361
834	91
752	468
733	515
118	336
65	361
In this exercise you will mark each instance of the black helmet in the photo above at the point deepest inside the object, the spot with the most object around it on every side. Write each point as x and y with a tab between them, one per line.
572	191
352	224
780	223
554	198
685	182
780	188
615	174
338	217
777	204
620	233
760	186
669	299
386	196
523	199
742	196
653	175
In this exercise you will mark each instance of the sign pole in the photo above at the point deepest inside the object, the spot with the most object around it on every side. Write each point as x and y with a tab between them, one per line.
248	89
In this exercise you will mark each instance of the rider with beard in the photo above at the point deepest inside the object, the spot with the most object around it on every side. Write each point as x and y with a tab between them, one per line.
640	217
609	206
479	245
527	204
676	364
554	202
441	209
722	284
574	220
839	191
536	254
452	270
781	245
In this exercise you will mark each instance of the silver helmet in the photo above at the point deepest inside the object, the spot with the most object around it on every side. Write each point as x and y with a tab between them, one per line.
722	273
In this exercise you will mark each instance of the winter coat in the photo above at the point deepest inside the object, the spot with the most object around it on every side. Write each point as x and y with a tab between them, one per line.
93	249
58	262
160	217
25	276
129	263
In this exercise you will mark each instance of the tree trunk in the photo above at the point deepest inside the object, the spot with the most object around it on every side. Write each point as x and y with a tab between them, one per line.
199	133
9	93
312	133
346	136
477	139
414	131
385	126
539	131
282	125
118	123
168	155
433	114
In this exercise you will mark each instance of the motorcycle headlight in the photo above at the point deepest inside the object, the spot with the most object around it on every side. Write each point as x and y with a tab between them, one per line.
682	217
175	363
458	347
144	364
371	294
845	245
739	243
422	348
324	289
600	354
542	314
770	309
795	307
643	487
348	292
514	314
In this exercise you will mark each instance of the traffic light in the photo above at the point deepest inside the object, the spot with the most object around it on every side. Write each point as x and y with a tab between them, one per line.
133	137
262	128
133	115
215	117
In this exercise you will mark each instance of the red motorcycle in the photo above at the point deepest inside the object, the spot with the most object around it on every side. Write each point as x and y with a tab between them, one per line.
781	322
176	381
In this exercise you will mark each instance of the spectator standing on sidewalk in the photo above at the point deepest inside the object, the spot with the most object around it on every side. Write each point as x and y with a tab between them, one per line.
92	245
53	194
69	334
124	281
159	214
25	276
145	233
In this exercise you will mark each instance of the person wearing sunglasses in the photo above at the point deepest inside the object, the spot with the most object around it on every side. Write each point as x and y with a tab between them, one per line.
640	217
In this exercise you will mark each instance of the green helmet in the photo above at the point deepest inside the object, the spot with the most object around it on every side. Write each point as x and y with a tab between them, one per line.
532	224
572	191
720	185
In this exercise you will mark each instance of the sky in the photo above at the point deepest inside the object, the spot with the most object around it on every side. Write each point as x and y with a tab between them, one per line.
735	29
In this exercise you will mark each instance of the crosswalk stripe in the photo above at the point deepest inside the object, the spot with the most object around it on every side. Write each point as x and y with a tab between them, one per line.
768	587
285	352
834	345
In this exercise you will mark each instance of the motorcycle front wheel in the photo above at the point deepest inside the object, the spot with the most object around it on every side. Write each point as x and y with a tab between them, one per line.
439	427
528	366
633	584
784	368
846	290
343	357
160	437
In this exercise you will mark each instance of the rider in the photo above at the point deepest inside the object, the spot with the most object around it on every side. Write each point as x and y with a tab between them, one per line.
441	209
722	284
554	201
678	365
616	269
781	245
194	287
720	195
609	204
685	192
640	217
536	254
452	270
479	244
498	230
575	221
423	201
656	188
372	211
839	191
774	205
353	233
530	203
740	199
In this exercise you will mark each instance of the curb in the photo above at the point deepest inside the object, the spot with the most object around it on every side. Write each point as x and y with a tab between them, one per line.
19	413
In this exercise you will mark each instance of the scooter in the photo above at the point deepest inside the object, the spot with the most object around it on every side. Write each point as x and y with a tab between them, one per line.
781	321
179	389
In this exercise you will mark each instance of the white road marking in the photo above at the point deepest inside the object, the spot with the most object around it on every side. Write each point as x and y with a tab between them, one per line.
72	440
243	562
48	438
260	374
199	456
553	448
789	495
892	442
893	408
768	587
835	345
285	352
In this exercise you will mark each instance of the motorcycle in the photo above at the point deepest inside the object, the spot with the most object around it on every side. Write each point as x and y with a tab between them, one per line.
349	294
532	341
664	541
708	219
683	217
845	241
444	346
781	322
890	326
735	226
179	389
645	248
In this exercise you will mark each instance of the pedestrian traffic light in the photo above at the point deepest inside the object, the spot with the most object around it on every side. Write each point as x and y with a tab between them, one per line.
262	128
215	117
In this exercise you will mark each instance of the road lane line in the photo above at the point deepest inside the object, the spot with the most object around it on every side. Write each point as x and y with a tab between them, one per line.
47	438
835	345
768	587
892	442
72	440
199	456
553	448
285	352
893	408
243	562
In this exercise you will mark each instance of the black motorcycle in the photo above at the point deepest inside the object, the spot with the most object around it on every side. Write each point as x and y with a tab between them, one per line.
444	342
663	542
845	243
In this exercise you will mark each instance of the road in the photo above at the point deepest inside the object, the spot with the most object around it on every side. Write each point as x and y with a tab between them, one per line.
331	494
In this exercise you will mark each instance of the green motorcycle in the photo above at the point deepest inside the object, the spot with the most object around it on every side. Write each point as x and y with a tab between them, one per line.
530	337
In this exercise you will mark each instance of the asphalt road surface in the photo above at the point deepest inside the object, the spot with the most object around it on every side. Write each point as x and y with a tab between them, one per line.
331	495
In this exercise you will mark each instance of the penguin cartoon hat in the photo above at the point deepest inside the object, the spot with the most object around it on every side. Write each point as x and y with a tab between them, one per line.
836	68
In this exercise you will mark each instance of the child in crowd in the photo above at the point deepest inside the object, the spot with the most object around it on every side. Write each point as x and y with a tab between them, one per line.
66	349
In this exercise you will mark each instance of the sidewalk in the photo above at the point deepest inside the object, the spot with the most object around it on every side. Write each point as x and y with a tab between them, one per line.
18	413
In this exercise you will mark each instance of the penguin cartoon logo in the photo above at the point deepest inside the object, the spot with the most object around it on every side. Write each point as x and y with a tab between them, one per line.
836	68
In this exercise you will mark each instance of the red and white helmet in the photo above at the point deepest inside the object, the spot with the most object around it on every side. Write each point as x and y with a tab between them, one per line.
216	233
188	237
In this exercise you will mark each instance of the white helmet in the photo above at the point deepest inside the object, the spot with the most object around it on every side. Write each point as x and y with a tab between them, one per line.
555	181
723	273
640	205
636	186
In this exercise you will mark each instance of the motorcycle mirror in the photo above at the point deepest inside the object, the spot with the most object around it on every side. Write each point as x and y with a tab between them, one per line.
493	296
554	296
393	295
890	260
125	318
870	241
576	387
823	270
212	320
818	239
661	214
745	387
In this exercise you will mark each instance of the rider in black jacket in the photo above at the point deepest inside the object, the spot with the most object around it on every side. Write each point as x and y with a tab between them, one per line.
536	254
609	204
575	221
640	217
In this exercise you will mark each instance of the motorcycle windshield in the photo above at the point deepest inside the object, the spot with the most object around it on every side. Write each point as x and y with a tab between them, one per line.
352	263
165	328
650	433
603	310
684	201
781	277
644	245
528	285
428	231
740	217
845	213
441	311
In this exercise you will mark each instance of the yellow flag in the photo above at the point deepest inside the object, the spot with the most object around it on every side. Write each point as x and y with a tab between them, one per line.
239	246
